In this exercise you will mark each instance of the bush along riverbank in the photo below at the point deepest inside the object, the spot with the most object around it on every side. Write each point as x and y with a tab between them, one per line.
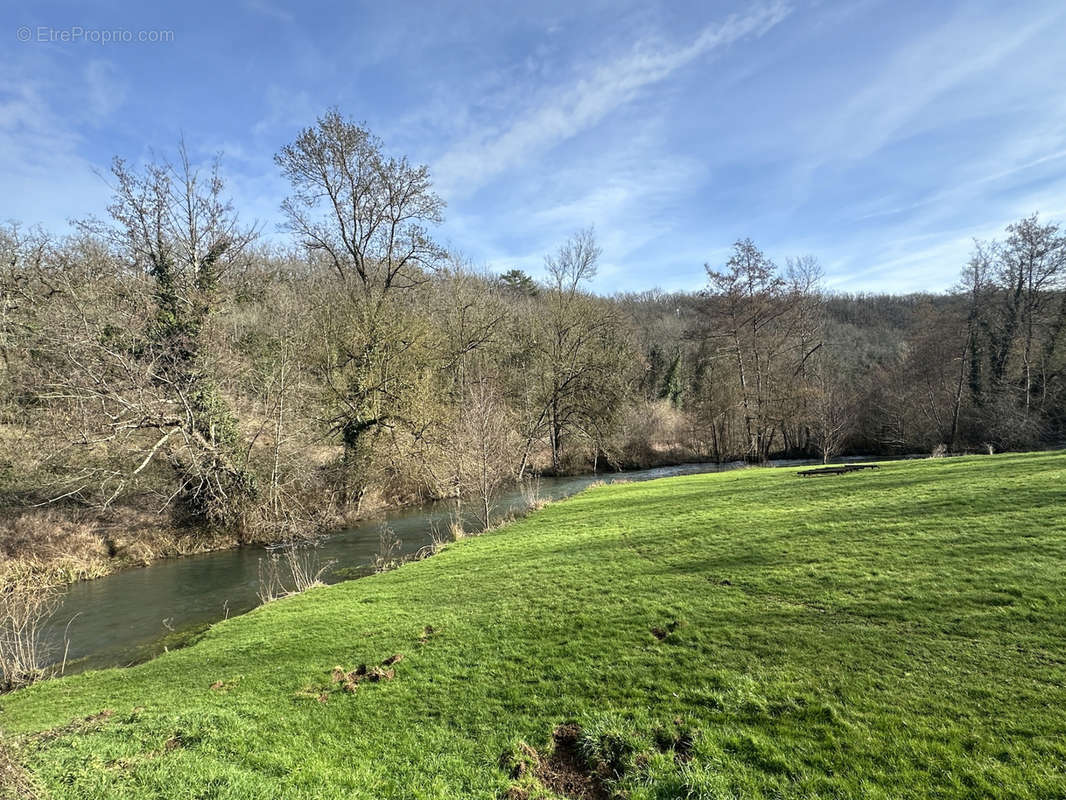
748	633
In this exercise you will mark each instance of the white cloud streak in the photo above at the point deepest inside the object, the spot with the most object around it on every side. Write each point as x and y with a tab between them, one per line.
566	111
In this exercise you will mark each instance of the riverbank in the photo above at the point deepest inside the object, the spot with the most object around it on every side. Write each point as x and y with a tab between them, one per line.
180	596
889	633
67	543
64	544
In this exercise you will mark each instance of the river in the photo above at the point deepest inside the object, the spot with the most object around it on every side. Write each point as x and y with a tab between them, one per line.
131	615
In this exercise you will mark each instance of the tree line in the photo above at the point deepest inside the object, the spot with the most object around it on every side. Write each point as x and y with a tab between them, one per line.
167	357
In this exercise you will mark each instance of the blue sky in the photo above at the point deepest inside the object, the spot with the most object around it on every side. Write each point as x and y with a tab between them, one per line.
880	137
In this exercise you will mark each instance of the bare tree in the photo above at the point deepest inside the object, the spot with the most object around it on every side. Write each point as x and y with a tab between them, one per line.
470	312
578	349
832	405
762	321
490	438
1034	259
1017	314
365	210
366	213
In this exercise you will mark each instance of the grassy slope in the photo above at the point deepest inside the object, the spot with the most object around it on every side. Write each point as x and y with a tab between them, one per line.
899	633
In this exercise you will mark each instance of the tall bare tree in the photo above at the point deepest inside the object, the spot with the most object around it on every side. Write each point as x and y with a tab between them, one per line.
365	210
578	349
1017	291
367	214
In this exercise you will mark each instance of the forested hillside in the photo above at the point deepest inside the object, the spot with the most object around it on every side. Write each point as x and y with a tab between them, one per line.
167	370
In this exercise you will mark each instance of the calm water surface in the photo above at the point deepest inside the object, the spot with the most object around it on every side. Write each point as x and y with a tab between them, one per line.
131	615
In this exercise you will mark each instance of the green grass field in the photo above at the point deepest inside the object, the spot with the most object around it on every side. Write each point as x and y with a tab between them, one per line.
893	633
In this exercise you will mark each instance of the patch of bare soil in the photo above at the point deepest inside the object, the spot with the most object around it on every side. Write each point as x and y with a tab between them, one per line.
565	772
661	633
349	681
562	771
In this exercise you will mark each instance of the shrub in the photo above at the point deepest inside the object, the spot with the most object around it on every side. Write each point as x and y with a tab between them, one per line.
27	603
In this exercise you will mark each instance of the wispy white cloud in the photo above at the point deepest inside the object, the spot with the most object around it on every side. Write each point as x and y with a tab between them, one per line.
105	90
962	50
283	107
269	10
45	178
562	112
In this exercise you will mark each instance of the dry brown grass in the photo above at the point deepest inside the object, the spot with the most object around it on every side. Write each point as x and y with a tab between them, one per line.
292	570
66	544
532	498
27	603
15	782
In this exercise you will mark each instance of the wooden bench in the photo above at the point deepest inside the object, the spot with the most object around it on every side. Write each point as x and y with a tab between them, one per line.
840	469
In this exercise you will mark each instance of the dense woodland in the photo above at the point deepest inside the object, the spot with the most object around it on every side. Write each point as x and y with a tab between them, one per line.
166	359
